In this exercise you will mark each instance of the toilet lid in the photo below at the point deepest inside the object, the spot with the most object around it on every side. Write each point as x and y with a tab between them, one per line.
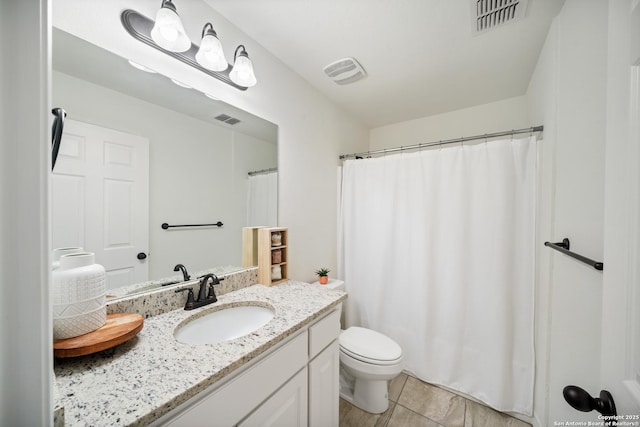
369	346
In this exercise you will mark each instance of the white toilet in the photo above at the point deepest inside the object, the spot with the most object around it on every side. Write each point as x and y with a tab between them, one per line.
369	360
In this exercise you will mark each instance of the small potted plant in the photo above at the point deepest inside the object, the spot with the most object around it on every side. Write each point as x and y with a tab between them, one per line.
323	275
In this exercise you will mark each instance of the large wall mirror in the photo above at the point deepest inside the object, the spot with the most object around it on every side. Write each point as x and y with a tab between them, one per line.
139	150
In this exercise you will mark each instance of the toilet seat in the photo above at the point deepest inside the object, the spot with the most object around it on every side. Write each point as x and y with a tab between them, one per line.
369	346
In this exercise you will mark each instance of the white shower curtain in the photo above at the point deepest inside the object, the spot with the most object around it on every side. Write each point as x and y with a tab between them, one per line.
438	254
262	200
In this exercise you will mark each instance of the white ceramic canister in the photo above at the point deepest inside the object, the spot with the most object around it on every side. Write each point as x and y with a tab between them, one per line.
78	296
58	252
276	239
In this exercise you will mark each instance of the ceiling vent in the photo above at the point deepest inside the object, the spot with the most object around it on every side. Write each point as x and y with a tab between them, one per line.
490	14
345	71
227	119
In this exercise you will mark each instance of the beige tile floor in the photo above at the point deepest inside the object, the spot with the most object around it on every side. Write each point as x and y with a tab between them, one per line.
413	403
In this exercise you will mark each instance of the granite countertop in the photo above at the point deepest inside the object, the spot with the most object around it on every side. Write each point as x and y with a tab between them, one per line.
143	379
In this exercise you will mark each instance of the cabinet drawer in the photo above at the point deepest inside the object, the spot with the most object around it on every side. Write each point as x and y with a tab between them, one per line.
228	404
323	332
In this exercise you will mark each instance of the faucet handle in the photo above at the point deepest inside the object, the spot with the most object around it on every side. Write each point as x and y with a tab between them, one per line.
190	297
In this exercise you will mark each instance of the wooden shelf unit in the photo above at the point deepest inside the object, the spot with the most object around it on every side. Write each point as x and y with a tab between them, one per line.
250	246
267	252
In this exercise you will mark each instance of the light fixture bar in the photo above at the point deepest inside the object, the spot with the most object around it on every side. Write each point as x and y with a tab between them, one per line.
139	27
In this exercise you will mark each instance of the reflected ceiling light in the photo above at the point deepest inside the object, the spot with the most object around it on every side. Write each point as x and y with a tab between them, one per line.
141	67
168	31
210	54
179	83
242	72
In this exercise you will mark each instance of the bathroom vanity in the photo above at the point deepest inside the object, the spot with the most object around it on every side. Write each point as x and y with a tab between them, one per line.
284	373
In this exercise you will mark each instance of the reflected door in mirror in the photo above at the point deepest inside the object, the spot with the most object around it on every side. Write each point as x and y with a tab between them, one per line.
100	199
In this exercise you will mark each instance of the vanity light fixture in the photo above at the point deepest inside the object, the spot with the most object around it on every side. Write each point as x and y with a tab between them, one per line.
210	54
242	73
168	31
142	29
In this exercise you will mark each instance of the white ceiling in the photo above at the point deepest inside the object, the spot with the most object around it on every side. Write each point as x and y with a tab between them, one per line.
420	55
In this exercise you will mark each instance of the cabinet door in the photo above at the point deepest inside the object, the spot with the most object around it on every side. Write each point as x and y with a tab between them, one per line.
324	386
286	408
227	404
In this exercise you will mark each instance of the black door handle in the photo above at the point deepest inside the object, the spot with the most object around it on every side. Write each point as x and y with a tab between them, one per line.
141	256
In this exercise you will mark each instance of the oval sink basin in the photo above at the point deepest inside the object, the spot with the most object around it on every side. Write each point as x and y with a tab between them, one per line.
223	325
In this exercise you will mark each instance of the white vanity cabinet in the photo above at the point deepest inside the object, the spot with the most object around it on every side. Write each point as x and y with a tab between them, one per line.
295	384
287	406
324	387
324	370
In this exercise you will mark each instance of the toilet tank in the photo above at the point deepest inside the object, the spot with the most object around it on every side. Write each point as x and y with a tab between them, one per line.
339	285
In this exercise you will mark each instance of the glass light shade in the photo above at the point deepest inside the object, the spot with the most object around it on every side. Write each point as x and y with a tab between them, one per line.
168	32
141	67
210	54
242	73
179	83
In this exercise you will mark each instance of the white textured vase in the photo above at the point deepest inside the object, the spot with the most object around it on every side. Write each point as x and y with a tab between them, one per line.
58	252
78	296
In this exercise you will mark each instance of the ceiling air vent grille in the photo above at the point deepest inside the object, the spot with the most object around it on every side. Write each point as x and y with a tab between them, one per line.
490	14
227	119
345	71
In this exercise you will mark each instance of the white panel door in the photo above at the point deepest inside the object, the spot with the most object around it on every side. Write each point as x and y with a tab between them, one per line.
621	294
100	198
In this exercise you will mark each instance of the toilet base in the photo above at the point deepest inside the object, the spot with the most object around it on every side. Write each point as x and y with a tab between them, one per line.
369	395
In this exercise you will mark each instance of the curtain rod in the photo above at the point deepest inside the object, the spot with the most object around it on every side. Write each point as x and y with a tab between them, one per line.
261	171
448	141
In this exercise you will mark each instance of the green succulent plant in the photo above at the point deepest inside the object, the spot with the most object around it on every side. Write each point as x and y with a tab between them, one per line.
323	272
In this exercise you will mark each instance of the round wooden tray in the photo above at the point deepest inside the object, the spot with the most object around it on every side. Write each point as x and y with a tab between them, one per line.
120	327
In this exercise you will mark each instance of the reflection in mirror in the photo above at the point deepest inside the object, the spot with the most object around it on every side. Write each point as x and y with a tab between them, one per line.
139	151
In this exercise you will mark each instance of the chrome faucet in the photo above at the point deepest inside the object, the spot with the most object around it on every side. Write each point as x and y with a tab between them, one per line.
206	295
185	275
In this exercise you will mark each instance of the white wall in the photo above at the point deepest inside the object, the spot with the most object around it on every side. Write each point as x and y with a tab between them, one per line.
312	132
542	109
568	94
493	117
25	324
197	173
